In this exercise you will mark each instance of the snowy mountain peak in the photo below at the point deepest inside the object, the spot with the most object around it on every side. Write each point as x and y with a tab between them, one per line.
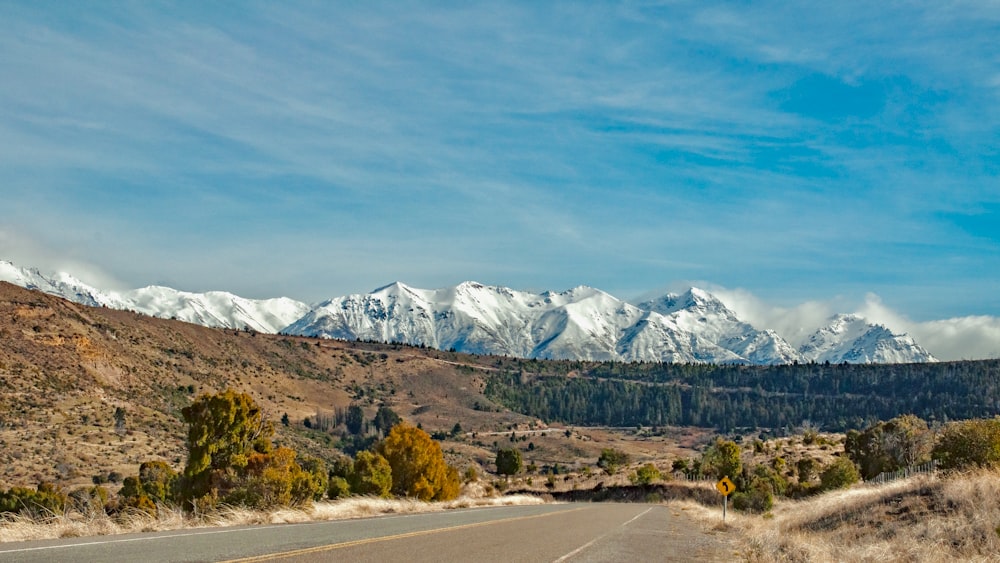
691	299
851	338
581	323
215	309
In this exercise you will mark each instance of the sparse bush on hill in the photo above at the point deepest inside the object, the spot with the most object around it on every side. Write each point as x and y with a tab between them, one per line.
508	461
758	499
806	469
645	475
611	460
969	443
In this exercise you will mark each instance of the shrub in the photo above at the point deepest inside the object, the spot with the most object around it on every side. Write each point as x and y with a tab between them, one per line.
889	446
645	475
806	468
840	474
318	479
158	481
45	498
372	475
612	459
156	484
759	499
266	481
338	488
770	476
969	443
89	500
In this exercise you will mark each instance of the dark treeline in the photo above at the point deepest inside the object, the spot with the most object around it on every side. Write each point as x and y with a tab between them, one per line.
835	397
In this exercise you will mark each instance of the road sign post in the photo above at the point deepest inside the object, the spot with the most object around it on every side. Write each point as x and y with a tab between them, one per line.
725	487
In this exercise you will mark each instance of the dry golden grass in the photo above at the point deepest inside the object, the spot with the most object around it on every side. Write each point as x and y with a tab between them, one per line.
22	528
929	518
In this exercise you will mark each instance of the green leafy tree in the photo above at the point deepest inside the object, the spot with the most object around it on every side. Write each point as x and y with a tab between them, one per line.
722	459
889	446
372	475
355	419
224	430
385	419
418	466
509	461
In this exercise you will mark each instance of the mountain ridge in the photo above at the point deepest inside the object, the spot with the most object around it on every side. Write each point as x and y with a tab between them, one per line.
581	323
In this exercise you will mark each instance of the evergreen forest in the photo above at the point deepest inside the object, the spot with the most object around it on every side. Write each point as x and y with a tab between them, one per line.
834	397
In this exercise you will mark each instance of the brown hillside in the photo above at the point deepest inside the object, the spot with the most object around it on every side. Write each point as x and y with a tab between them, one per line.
65	369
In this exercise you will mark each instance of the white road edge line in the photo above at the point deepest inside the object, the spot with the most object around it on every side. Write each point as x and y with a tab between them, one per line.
637	516
595	540
577	550
210	532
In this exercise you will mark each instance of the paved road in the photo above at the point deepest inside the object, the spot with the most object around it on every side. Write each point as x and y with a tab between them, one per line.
544	533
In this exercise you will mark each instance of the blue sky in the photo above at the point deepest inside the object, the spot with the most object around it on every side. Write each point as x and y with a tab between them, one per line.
843	153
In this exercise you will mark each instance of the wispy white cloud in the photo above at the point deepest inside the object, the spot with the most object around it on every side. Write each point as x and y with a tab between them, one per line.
616	145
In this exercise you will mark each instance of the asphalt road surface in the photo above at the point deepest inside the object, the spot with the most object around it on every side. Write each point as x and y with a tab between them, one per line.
550	533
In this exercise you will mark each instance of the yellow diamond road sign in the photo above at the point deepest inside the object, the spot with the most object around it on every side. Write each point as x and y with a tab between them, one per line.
725	486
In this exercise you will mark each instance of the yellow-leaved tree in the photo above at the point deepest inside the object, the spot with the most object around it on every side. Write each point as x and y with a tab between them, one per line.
418	466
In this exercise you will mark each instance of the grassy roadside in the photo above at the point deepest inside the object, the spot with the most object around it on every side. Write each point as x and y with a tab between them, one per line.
76	524
927	518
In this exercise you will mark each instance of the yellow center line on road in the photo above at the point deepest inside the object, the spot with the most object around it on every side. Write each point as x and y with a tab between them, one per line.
353	543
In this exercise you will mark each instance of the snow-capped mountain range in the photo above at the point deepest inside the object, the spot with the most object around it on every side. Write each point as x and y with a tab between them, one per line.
581	323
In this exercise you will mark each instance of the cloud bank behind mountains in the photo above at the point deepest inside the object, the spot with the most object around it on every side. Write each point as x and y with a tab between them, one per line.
959	338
